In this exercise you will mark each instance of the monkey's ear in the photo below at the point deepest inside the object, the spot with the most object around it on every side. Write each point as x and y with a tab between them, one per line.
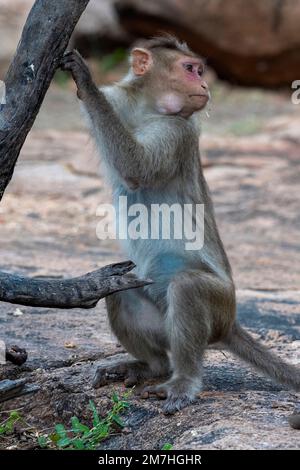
141	60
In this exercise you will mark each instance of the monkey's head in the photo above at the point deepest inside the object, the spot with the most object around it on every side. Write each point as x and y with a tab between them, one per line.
171	76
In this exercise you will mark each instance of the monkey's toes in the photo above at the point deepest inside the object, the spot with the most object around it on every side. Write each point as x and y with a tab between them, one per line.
104	378
105	375
178	393
157	391
131	381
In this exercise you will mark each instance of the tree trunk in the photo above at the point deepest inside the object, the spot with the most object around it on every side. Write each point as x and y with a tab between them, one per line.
45	37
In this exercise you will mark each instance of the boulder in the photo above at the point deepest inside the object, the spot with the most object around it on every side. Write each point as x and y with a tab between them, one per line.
249	43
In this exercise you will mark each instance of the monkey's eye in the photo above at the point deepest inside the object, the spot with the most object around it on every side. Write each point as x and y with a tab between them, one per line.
200	71
188	67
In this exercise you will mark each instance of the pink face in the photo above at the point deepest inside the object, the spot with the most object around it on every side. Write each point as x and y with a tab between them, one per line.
181	90
193	68
188	86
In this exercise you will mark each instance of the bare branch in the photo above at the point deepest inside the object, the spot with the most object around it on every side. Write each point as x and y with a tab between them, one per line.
44	39
80	292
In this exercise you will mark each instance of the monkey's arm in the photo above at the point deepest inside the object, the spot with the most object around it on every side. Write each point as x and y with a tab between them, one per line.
146	159
138	160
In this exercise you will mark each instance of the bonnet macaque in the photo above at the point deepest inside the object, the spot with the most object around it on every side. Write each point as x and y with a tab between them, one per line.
146	129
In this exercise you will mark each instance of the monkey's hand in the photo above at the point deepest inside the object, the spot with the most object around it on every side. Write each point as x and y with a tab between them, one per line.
73	62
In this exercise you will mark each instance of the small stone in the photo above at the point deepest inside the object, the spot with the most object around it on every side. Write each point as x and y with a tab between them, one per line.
18	312
294	421
70	345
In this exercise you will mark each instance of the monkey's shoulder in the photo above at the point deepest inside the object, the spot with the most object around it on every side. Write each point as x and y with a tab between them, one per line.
115	95
121	102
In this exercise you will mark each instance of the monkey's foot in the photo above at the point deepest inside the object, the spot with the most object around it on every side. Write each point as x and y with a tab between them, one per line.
178	393
132	372
154	391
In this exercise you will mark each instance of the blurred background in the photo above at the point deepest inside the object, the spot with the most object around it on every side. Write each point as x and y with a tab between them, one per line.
252	44
250	147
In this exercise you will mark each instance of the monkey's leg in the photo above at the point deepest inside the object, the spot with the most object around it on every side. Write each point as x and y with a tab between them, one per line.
192	299
139	327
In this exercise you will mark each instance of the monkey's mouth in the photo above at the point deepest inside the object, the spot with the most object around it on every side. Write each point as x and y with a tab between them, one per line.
202	95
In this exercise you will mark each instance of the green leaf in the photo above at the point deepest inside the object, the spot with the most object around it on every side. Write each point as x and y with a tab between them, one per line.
42	441
118	420
64	442
167	447
54	438
79	444
78	427
80	436
14	416
115	398
60	430
101	432
7	426
96	418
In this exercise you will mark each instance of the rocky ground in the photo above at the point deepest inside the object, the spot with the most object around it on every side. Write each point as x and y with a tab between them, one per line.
251	152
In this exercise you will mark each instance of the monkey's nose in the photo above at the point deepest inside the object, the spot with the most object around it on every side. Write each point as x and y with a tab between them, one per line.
204	86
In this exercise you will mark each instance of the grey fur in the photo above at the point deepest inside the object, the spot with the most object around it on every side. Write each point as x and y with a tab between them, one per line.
154	158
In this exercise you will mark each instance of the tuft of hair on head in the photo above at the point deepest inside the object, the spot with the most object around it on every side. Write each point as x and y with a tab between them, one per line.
165	41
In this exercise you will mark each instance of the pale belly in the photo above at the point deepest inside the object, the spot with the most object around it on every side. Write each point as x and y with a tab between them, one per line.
159	259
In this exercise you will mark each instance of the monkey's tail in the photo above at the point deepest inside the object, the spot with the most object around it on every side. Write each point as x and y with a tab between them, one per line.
250	350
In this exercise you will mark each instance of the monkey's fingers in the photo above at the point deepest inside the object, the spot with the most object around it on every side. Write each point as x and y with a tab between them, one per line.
66	61
69	66
73	59
74	63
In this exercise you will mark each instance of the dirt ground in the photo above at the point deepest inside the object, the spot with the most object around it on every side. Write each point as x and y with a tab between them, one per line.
251	151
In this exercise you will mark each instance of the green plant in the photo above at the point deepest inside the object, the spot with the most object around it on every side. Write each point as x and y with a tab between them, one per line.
82	437
167	447
7	426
